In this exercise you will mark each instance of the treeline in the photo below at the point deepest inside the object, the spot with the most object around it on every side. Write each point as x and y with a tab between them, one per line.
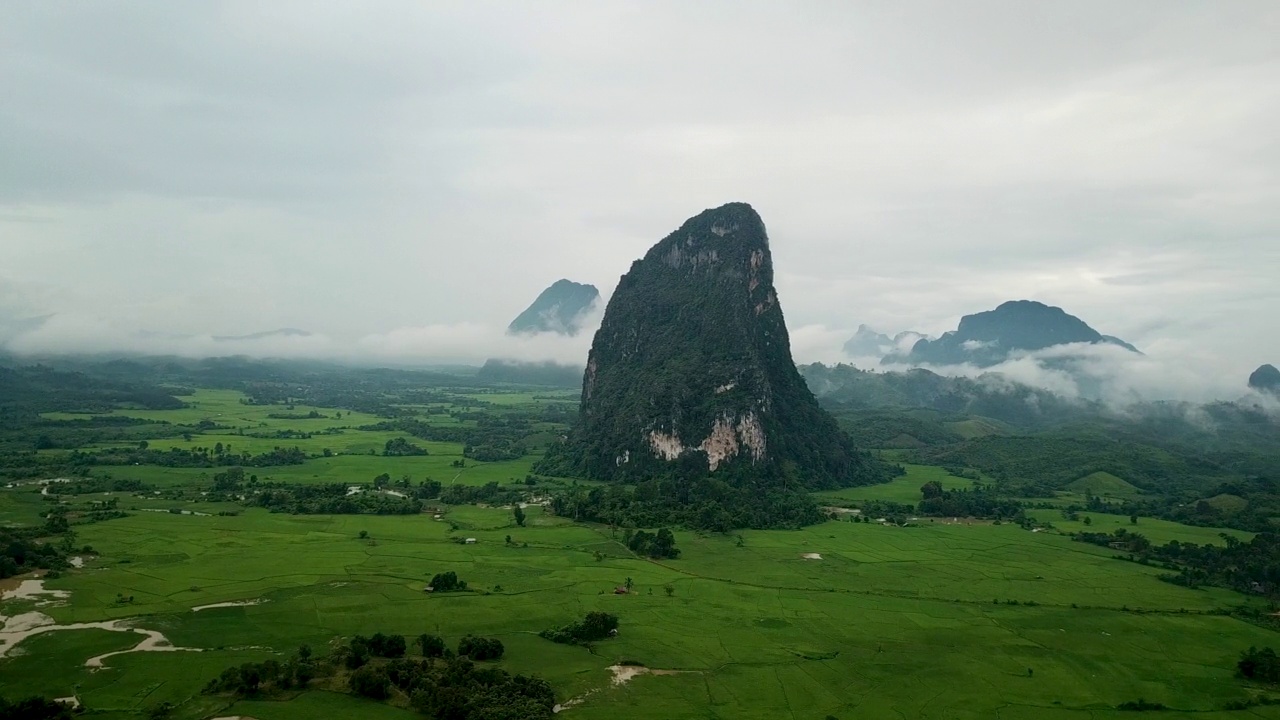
595	626
1248	567
195	457
490	493
493	438
399	447
439	684
1245	504
715	504
35	708
980	502
330	499
93	485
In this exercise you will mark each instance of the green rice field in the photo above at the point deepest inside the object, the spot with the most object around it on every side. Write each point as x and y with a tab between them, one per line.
942	619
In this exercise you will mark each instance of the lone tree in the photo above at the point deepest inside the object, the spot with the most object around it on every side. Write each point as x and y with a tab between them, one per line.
519	513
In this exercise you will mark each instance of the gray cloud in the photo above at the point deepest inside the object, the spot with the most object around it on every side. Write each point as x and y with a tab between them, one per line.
392	175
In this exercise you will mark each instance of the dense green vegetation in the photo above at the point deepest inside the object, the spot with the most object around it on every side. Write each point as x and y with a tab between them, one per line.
690	387
592	628
1210	465
376	668
831	618
561	308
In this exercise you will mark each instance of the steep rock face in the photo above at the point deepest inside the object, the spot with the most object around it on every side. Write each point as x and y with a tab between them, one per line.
691	369
991	337
560	308
1265	378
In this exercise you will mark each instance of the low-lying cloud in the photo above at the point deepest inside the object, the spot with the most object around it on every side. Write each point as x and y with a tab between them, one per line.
460	343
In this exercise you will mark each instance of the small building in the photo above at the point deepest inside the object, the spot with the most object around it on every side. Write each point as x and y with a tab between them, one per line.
469	541
620	590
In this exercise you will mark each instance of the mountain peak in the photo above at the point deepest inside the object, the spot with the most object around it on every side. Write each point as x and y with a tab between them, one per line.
1266	378
991	337
561	308
691	372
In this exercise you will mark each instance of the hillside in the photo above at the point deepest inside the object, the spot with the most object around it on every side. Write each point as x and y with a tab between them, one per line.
560	309
691	373
989	338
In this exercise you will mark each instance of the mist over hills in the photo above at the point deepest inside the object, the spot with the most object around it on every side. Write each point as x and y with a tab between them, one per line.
264	335
867	343
562	308
989	338
1266	378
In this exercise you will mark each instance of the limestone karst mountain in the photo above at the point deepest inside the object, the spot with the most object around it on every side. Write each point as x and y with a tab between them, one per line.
868	343
561	308
989	338
1265	378
691	371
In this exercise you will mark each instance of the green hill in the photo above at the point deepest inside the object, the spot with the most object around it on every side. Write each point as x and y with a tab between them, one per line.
1105	485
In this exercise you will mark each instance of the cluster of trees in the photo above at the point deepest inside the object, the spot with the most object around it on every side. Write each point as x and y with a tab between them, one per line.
1249	567
981	502
312	415
251	678
595	626
22	552
491	493
715	504
1250	505
1131	542
660	545
330	499
195	457
458	689
485	437
1259	665
447	582
480	648
441	684
399	447
47	434
379	645
34	708
101	484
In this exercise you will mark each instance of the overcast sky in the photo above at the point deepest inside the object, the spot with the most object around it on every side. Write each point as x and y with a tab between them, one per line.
404	178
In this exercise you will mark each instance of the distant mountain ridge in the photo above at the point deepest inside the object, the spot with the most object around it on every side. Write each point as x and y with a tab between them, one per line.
1265	378
279	332
989	338
870	343
561	308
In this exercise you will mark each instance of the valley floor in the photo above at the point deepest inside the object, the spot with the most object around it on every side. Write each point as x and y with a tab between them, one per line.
891	622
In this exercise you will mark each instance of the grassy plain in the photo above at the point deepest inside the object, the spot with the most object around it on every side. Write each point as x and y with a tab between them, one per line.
902	489
915	622
760	631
